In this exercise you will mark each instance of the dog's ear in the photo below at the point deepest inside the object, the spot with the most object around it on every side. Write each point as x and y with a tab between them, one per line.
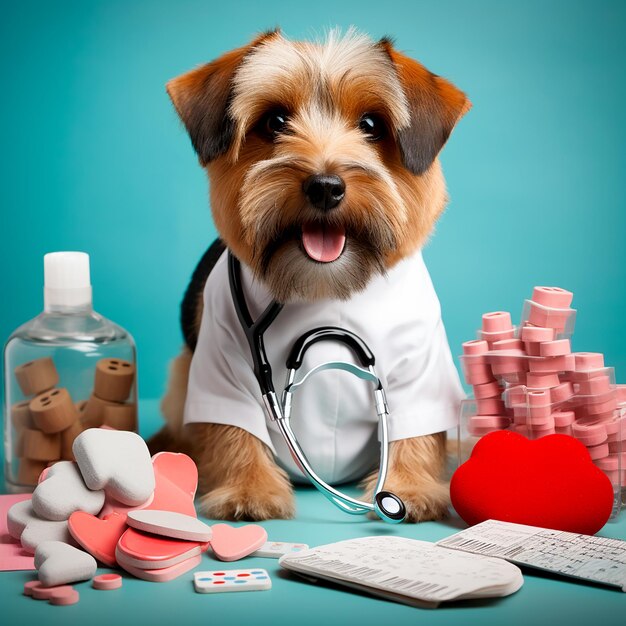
435	106
202	96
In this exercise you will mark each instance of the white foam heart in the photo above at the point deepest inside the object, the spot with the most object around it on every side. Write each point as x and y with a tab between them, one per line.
30	530
170	524
59	564
63	491
118	462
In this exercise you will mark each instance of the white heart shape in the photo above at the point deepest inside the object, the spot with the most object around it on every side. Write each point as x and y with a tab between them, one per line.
63	491
59	564
31	531
118	462
169	524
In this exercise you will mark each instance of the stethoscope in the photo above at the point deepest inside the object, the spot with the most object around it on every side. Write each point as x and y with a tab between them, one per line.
388	506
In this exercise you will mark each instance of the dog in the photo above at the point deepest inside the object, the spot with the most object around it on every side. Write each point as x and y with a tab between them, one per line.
325	183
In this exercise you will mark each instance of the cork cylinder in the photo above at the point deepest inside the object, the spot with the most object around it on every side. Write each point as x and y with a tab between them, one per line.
28	471
53	411
121	416
92	415
21	417
38	446
114	379
67	440
36	376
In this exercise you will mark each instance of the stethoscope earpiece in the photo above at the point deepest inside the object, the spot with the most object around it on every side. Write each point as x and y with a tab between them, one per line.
389	507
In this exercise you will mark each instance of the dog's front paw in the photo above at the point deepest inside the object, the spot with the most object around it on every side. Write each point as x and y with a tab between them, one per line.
242	501
423	502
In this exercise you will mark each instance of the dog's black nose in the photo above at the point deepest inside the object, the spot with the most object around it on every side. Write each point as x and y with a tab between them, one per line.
324	191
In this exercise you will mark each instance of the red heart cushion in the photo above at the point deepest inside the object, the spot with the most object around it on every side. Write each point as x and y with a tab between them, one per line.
98	536
550	482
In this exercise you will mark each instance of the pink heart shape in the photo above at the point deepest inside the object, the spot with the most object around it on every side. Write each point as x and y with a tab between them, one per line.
231	544
98	536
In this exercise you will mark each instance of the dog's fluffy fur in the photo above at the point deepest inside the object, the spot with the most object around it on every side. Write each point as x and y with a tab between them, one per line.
394	193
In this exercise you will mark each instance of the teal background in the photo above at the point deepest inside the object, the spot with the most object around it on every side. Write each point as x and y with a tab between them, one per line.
93	157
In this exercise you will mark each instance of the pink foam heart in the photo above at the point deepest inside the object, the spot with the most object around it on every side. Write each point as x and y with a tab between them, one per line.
98	536
231	544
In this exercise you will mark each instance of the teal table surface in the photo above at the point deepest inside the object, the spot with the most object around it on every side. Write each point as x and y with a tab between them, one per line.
542	600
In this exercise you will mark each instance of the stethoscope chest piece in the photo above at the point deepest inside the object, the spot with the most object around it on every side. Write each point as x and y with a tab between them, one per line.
389	507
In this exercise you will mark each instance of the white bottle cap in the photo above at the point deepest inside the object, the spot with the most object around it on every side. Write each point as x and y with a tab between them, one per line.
66	280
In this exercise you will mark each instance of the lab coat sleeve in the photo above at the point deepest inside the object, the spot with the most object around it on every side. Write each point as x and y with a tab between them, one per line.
423	388
222	388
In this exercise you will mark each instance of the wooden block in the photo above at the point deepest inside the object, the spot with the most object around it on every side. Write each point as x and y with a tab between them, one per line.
21	417
67	439
36	376
121	416
93	414
28	471
40	446
114	379
53	411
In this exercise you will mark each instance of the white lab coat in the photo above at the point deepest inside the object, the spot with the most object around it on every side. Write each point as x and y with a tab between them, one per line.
334	418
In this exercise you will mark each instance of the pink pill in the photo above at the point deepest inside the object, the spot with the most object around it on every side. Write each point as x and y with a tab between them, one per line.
561	393
487	390
30	585
536	334
497	321
45	593
563	419
585	361
542	381
508	344
558	347
598	452
492	337
65	598
490	406
532	348
475	347
107	582
553	297
594	386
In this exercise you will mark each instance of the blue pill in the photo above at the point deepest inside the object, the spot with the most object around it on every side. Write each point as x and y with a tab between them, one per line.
241	582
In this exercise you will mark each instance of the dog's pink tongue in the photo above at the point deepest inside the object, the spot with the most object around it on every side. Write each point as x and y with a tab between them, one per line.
323	243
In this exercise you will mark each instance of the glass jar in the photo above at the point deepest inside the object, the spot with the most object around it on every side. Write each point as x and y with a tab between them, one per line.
66	370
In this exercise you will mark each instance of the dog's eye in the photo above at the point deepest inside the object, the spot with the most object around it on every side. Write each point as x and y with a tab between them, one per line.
273	123
372	126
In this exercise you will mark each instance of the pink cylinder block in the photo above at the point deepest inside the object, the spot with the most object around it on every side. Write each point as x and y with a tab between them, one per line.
589	433
537	334
475	347
561	393
612	462
598	452
497	321
490	406
478	374
594	386
537	414
542	381
558	347
532	348
538	398
487	390
616	447
508	344
553	297
550	364
492	337
563	419
588	361
548	317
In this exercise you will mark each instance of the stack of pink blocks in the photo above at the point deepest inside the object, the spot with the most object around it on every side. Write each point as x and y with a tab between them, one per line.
527	379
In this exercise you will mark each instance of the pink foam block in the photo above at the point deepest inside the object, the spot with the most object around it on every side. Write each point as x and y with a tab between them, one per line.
492	337
487	390
561	393
107	582
542	381
548	317
589	433
64	597
508	344
536	334
538	398
558	347
585	361
599	452
507	361
612	462
594	386
532	348
478	374
547	365
497	321
553	297
40	592
476	347
490	406
621	394
563	419
163	575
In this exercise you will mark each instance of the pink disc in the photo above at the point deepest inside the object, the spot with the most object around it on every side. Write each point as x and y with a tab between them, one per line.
550	365
563	419
548	317
107	582
475	347
487	390
492	337
558	347
497	321
589	433
588	361
536	334
45	593
538	398
594	386
598	452
490	406
508	344
542	381
561	393
612	462
30	586
62	597
553	297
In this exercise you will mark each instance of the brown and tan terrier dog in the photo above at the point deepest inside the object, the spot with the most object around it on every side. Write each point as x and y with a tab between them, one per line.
324	179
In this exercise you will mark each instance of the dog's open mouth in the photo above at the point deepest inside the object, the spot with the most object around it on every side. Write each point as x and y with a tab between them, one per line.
323	243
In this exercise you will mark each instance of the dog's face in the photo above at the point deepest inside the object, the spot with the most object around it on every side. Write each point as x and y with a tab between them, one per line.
322	157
